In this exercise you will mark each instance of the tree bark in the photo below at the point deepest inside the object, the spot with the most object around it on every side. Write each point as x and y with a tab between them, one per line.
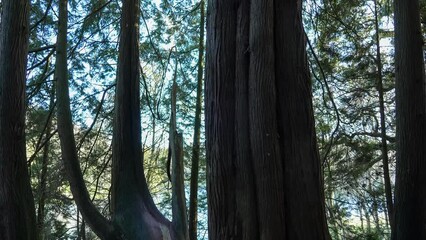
135	215
195	158
410	188
17	211
180	223
134	210
264	172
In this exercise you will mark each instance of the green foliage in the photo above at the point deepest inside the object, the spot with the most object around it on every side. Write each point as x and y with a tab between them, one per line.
344	73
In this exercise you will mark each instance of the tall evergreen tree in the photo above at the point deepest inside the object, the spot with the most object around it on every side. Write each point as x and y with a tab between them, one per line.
134	214
410	188
17	212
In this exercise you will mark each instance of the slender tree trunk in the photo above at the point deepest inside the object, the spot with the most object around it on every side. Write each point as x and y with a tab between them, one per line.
195	159
374	207
180	222
264	172
385	157
410	187
44	166
361	217
367	217
17	211
99	224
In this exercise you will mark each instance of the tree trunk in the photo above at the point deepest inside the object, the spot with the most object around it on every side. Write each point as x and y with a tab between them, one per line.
17	211
99	224
134	210
134	213
44	165
180	223
264	172
410	188
385	157
195	159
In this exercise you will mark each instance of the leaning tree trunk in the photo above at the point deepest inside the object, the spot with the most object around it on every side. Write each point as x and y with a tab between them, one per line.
99	224
134	210
134	213
17	211
264	172
410	187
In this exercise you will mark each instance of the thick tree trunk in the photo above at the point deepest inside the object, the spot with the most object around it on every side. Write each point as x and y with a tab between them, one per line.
17	211
410	187
195	159
304	200
134	210
264	174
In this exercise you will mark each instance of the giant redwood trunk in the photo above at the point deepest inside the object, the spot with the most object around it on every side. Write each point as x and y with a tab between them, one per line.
264	174
17	212
410	187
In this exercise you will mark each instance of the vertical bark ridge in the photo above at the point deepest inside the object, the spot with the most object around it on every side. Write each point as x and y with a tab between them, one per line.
304	199
220	102
245	184
17	211
263	122
410	188
268	168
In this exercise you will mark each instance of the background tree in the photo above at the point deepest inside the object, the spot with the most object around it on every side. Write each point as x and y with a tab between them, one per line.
195	158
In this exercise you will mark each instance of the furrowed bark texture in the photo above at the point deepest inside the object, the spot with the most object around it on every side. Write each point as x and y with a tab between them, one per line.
134	210
410	187
264	174
17	212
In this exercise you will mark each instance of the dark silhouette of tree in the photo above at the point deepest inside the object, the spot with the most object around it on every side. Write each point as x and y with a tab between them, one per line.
195	158
17	212
410	188
134	215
